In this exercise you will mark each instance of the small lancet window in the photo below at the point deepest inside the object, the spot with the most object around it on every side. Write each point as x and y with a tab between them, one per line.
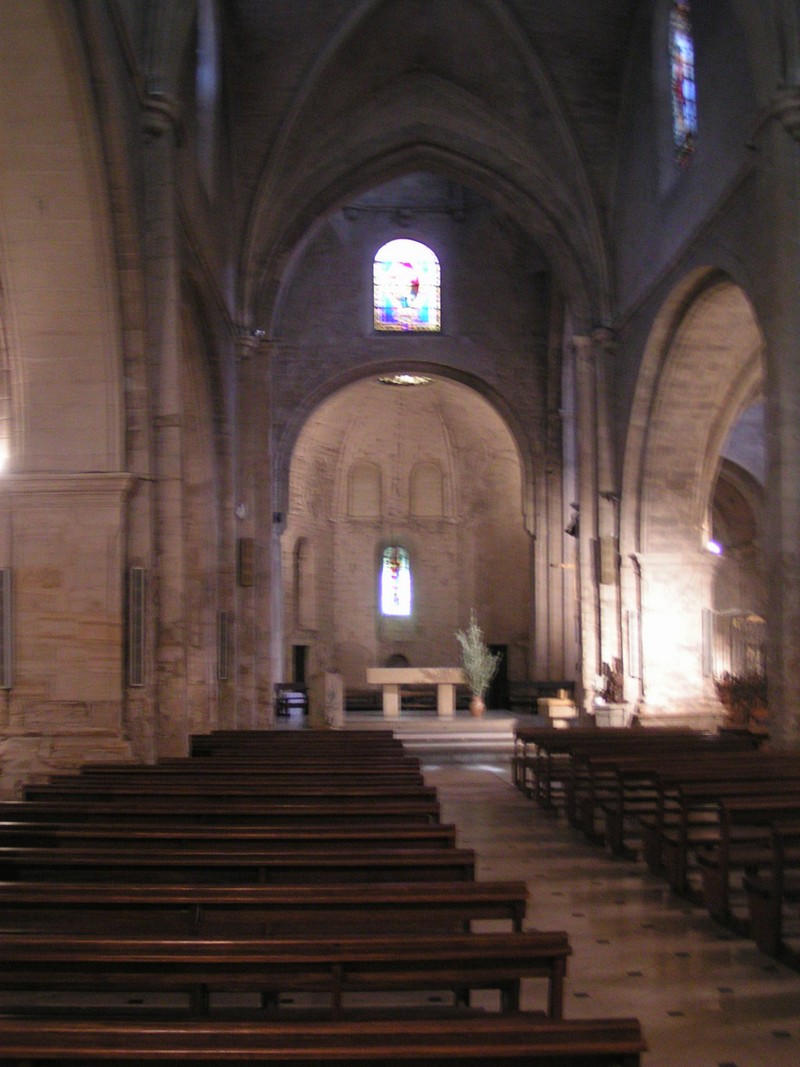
406	287
684	99
395	582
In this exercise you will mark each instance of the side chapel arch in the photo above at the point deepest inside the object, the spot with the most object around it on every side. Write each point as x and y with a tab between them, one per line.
703	360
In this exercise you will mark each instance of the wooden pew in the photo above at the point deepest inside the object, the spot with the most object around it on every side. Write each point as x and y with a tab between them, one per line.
513	1040
136	836
621	777
688	812
333	966
340	766
206	811
531	742
742	842
630	790
281	741
130	792
264	910
771	886
549	752
237	868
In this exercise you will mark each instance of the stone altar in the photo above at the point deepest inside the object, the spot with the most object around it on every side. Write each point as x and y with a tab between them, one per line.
391	678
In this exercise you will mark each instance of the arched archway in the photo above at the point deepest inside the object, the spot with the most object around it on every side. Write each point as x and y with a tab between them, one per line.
701	368
471	551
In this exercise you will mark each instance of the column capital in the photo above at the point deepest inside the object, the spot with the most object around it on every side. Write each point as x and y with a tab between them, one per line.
161	114
786	108
249	342
604	340
582	345
600	340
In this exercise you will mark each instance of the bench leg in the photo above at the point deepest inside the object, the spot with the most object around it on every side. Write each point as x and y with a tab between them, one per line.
510	996
199	1000
766	915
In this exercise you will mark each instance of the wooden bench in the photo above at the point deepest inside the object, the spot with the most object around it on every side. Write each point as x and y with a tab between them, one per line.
513	1040
135	836
333	966
263	910
231	868
772	885
622	778
248	764
289	696
308	779
541	751
689	810
280	811
741	841
281	741
130	792
628	791
544	755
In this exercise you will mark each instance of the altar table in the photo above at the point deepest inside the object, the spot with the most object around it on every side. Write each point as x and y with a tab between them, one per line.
391	678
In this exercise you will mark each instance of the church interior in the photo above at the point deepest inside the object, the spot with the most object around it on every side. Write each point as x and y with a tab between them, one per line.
581	425
380	316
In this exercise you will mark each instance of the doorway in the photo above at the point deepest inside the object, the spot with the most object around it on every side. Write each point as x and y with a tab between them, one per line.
299	664
499	694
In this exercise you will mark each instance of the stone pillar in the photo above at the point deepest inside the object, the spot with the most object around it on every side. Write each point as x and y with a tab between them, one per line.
162	272
326	701
608	571
247	350
60	537
779	188
254	534
553	598
588	547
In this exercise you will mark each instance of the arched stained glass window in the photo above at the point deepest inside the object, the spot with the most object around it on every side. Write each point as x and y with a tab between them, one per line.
395	581
406	287
684	99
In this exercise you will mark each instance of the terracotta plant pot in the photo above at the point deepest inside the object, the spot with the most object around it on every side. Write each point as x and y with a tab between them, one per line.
477	706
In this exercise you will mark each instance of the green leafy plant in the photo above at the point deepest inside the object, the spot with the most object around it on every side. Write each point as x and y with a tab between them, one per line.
480	665
744	697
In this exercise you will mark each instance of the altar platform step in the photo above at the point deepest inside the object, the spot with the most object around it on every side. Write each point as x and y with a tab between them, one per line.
462	739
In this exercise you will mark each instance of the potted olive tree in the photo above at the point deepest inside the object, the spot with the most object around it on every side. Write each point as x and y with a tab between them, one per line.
480	665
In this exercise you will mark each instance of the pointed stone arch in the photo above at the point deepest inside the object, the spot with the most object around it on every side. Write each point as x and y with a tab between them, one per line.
703	361
435	112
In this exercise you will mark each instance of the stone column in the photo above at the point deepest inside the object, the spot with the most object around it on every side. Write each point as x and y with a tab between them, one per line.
607	503
164	338
588	547
247	351
60	536
553	599
779	188
254	514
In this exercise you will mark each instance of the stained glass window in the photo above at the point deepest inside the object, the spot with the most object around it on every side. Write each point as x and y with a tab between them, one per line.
406	287
395	581
684	100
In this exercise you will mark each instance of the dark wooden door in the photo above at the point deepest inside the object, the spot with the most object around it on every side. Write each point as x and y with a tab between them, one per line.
499	695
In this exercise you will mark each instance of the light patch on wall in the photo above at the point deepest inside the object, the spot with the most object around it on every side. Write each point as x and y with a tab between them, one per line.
404	379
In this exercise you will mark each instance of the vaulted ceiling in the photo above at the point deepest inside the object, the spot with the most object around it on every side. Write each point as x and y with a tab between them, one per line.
514	99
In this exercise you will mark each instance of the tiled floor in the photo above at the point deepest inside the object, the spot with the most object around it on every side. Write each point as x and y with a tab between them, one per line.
705	997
